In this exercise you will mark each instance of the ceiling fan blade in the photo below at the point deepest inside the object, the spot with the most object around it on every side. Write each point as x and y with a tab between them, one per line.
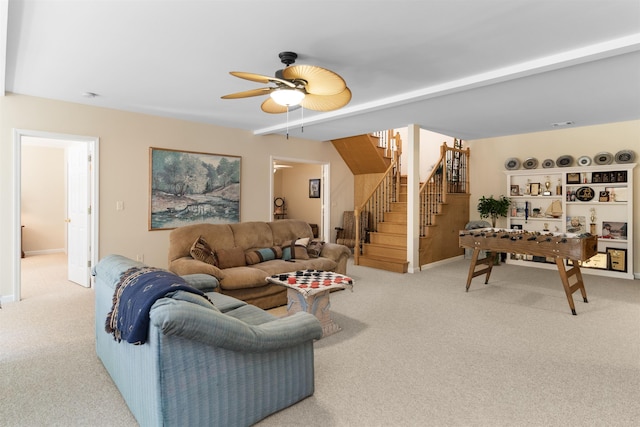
320	81
260	78
249	93
327	102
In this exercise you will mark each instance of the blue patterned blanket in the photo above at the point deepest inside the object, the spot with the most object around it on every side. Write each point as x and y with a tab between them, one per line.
138	289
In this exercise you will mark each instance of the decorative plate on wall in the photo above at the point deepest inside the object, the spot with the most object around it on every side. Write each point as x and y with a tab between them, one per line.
625	156
530	163
512	163
564	161
584	161
603	158
548	163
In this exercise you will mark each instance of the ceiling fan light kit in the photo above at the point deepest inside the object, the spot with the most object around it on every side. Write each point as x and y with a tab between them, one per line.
314	88
287	97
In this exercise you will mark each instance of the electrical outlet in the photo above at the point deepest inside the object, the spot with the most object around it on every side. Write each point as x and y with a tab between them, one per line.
140	257
119	205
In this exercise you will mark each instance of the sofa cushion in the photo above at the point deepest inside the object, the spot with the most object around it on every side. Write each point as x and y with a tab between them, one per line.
201	251
295	249
232	257
315	248
255	256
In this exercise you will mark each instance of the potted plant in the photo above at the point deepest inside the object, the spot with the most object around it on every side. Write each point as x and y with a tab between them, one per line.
493	208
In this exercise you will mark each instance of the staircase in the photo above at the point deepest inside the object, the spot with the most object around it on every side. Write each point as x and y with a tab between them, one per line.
444	202
387	246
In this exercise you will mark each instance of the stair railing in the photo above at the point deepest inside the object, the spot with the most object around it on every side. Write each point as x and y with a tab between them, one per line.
391	142
449	175
377	204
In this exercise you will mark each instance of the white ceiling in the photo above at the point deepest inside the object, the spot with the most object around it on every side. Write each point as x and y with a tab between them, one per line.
465	68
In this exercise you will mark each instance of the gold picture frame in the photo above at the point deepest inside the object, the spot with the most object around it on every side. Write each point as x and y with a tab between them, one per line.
599	261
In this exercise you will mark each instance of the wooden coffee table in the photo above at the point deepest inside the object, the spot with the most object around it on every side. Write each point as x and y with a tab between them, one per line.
308	290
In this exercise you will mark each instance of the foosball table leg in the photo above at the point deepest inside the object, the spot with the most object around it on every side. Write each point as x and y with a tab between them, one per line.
568	288
488	261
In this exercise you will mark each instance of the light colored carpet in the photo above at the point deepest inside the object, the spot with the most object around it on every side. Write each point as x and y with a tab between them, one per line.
415	350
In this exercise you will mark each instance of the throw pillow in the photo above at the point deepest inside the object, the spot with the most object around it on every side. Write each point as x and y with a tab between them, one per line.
315	248
201	251
233	257
295	249
260	255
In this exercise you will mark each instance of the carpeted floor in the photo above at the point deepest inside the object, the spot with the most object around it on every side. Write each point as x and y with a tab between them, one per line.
415	350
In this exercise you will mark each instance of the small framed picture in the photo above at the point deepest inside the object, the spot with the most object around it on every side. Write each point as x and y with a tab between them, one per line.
515	190
314	188
621	176
617	259
596	177
614	230
573	178
604	196
535	188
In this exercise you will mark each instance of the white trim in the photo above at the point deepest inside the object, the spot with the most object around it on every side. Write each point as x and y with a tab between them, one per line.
45	252
18	134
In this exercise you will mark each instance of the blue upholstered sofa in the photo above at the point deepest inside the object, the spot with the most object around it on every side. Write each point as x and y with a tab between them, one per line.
231	364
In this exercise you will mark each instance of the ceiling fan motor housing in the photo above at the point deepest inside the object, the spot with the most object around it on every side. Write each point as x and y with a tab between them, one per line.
288	58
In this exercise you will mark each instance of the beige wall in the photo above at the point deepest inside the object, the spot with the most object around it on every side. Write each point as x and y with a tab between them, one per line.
125	139
43	199
488	157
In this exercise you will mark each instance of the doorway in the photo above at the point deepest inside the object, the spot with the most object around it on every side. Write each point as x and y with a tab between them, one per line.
80	193
320	207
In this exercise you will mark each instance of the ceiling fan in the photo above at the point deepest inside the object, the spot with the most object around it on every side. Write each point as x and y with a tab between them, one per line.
309	86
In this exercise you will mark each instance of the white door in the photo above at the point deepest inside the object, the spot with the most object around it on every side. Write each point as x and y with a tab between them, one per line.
78	216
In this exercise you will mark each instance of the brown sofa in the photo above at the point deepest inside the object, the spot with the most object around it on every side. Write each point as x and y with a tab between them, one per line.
247	281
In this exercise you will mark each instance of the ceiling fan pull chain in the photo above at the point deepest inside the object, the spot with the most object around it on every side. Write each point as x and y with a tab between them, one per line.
287	122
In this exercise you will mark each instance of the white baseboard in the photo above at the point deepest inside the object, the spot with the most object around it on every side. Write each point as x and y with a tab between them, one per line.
45	252
442	262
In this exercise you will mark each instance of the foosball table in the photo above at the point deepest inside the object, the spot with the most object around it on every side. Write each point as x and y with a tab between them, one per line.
559	246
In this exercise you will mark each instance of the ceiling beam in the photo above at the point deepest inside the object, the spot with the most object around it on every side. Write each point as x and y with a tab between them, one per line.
558	61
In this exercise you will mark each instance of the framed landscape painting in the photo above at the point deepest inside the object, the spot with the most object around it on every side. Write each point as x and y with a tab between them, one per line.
188	187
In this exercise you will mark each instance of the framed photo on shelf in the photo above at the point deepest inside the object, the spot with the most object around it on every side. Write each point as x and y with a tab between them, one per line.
573	178
576	224
614	230
515	190
617	259
596	177
621	176
604	196
535	189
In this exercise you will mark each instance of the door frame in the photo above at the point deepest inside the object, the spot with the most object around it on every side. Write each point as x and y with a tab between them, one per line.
325	185
93	145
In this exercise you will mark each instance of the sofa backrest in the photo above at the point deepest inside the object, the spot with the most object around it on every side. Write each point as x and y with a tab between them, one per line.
247	235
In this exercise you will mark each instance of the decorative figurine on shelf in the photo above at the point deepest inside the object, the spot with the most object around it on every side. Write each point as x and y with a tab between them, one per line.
546	226
592	226
559	188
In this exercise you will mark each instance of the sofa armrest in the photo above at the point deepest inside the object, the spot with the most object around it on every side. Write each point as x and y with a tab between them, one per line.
193	322
339	253
203	282
186	265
